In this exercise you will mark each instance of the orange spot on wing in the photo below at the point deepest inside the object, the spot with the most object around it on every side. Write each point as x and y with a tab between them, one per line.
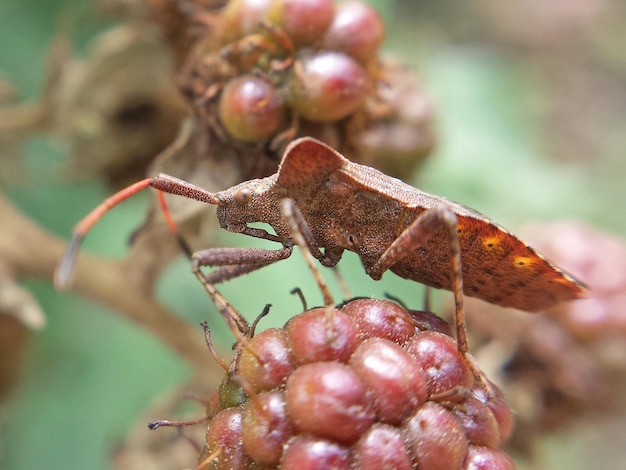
523	261
491	242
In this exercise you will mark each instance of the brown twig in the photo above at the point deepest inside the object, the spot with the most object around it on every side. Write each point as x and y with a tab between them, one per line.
29	251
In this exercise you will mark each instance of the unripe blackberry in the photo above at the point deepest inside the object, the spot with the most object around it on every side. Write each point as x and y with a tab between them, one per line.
373	386
382	446
500	410
396	382
356	29
266	362
436	438
484	458
224	437
229	394
329	399
481	426
265	71
304	21
381	319
442	363
326	86
313	338
426	321
243	17
266	427
251	108
307	452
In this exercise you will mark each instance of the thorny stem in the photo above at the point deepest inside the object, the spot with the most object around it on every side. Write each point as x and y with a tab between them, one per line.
31	252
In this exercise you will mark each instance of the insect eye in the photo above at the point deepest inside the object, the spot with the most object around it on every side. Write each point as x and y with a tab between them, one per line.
243	196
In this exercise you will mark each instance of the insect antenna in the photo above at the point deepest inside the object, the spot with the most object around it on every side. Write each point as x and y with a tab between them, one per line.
163	184
63	273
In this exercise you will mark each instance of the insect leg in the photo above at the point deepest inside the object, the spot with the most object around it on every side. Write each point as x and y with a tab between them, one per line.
232	262
302	237
416	235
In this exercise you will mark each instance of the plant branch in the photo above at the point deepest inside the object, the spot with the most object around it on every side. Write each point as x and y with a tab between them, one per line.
29	251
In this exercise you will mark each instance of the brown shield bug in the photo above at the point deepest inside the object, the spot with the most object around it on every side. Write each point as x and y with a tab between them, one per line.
328	204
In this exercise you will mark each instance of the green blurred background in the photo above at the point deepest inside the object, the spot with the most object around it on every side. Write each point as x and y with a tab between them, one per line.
528	130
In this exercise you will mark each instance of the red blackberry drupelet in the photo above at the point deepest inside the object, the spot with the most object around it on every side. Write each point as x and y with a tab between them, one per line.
368	385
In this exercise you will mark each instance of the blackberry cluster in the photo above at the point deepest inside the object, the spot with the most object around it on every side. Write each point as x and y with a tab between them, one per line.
369	385
306	55
261	72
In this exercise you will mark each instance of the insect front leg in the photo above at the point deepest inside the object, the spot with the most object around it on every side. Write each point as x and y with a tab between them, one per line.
234	262
415	236
231	263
